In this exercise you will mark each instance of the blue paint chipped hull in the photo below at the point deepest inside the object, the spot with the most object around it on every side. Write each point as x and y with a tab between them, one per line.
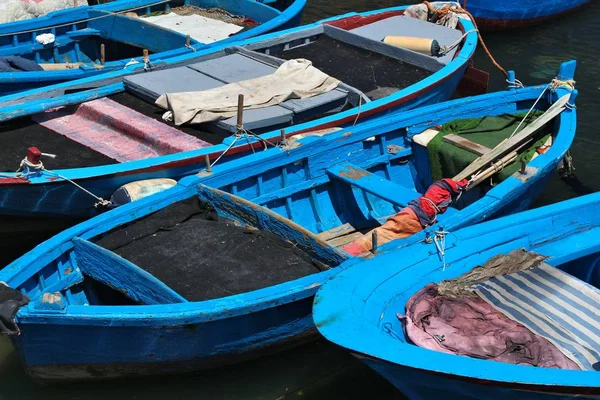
163	44
162	347
288	187
514	14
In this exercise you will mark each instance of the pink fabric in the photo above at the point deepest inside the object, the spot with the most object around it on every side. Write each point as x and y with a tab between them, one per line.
469	326
117	131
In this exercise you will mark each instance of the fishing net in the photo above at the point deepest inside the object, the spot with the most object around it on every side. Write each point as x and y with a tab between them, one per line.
213	13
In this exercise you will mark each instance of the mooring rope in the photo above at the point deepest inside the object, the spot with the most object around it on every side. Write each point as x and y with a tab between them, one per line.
555	84
28	166
447	9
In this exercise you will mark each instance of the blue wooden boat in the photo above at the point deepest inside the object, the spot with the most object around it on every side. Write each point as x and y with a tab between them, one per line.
92	40
143	289
416	80
514	14
357	309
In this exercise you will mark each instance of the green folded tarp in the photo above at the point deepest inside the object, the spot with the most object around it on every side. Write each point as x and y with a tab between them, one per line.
447	160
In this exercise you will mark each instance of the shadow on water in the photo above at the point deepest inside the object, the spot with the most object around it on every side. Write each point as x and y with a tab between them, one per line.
321	370
316	371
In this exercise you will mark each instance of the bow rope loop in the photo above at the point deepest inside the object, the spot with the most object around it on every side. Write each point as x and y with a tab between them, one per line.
28	168
440	243
555	84
447	9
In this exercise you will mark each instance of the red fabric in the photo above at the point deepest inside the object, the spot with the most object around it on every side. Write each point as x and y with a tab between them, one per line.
439	195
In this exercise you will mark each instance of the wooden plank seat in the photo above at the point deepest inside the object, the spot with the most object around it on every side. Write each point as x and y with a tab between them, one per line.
383	188
232	68
411	27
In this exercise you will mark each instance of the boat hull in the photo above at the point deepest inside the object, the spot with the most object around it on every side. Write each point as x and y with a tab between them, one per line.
513	14
61	199
420	384
13	83
87	352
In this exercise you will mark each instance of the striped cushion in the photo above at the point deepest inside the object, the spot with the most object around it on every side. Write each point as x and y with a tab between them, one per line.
552	304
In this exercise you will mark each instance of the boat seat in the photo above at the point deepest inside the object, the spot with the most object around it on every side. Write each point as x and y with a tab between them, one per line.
150	86
383	188
411	27
233	68
238	67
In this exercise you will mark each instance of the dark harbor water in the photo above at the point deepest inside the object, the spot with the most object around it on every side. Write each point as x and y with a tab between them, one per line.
321	370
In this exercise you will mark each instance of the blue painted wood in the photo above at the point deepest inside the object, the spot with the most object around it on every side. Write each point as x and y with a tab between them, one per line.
293	183
511	14
119	274
74	27
380	187
65	201
357	309
249	213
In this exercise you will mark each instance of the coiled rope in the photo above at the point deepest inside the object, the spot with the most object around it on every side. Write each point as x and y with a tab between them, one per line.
448	9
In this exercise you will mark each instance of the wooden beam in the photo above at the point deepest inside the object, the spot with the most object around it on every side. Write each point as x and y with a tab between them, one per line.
509	145
466	144
60	66
118	273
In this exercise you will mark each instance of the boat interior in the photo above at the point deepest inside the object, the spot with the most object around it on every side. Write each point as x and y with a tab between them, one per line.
545	298
79	134
103	40
328	204
143	262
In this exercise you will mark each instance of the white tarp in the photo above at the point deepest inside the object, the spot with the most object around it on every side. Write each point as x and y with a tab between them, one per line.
294	79
17	10
204	30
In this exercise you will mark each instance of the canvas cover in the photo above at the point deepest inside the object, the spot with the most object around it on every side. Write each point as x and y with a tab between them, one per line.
294	79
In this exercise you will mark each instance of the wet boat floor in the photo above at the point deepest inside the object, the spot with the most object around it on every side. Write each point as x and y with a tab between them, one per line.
374	74
18	135
202	258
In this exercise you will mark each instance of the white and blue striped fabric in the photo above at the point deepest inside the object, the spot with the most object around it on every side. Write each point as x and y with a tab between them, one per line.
552	304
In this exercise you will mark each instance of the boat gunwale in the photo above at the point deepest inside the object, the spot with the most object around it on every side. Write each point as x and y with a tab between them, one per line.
403	354
281	18
52	249
192	157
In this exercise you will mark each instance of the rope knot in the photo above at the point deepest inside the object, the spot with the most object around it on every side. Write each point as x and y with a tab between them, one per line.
556	83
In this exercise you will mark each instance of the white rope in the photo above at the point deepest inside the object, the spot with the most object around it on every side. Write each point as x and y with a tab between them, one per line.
440	243
358	112
516	84
109	14
133	61
529	111
556	83
436	209
447	49
28	166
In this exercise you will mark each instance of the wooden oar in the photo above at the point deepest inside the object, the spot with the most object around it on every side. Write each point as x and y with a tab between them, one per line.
514	142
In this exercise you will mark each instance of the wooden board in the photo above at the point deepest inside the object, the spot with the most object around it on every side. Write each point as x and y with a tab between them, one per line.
336	232
466	144
344	240
510	144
